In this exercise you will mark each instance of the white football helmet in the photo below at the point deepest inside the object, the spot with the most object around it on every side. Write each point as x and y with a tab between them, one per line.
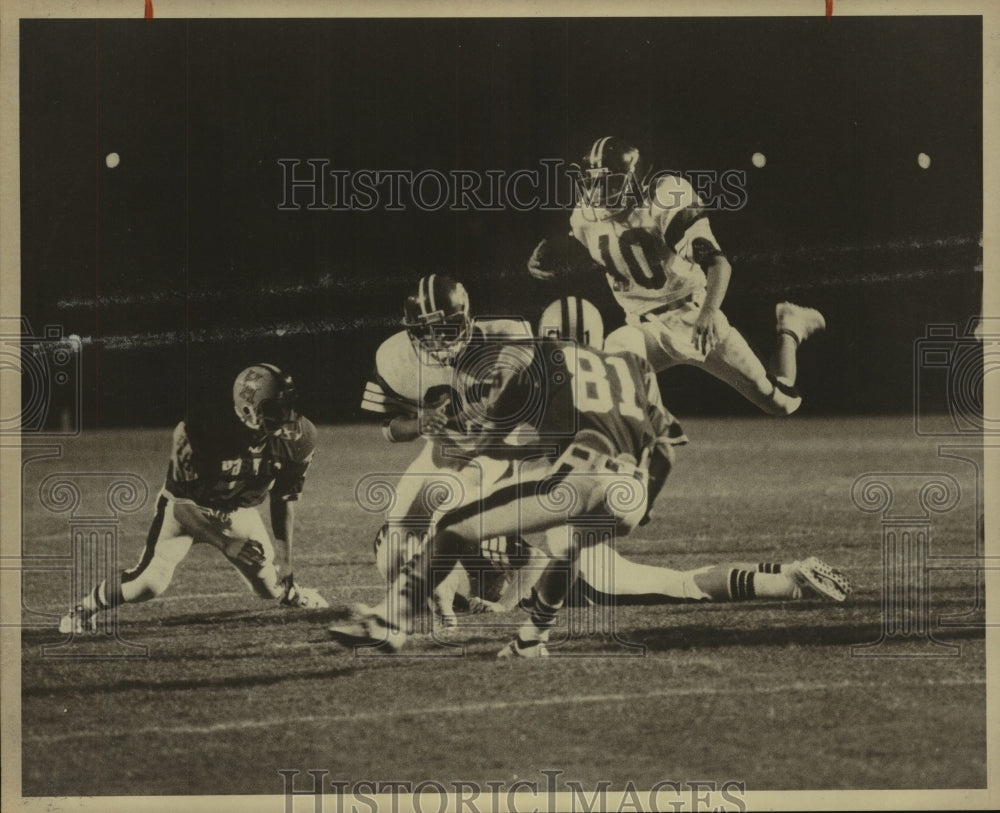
437	317
572	319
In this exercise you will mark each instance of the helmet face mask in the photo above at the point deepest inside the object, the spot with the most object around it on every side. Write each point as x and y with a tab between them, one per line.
437	318
264	400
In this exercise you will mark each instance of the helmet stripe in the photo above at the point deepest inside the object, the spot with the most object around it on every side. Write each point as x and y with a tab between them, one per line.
581	332
597	152
430	291
422	296
564	328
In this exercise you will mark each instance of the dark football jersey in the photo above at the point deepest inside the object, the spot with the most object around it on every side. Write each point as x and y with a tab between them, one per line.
565	391
219	463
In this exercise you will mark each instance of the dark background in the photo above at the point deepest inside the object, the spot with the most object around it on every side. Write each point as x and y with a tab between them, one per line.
177	268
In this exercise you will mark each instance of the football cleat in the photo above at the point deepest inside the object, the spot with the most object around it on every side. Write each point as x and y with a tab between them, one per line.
306	598
370	631
481	605
799	321
78	621
524	649
819	577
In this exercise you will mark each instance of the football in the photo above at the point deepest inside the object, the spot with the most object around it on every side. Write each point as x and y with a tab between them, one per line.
559	256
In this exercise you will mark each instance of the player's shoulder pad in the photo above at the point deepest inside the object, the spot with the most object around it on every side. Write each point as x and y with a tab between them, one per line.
501	328
672	192
396	360
626	339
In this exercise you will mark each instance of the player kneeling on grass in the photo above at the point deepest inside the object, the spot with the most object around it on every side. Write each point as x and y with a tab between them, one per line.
220	470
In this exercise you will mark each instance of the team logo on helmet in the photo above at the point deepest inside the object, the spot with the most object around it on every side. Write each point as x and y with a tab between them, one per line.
437	317
611	179
572	319
264	399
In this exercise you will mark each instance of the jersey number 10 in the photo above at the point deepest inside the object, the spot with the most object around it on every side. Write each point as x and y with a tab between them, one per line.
638	249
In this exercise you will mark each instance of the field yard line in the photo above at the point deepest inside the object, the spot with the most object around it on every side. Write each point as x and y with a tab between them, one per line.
477	708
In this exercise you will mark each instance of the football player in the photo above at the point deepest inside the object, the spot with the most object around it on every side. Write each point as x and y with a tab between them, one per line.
653	241
584	430
428	384
221	468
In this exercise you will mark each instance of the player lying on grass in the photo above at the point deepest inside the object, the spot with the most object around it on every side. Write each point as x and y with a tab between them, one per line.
501	576
426	384
652	240
221	468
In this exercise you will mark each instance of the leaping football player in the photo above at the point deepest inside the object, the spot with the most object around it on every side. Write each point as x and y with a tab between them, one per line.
221	468
653	241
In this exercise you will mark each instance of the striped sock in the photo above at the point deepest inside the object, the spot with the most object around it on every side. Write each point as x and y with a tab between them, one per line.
742	585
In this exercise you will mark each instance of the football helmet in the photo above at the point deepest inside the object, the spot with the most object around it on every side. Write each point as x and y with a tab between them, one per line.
264	399
612	179
572	319
437	317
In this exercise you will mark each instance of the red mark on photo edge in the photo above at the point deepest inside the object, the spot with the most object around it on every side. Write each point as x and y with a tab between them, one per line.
149	9
829	8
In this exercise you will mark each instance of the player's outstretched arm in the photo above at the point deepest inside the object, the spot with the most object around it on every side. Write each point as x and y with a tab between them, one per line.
706	333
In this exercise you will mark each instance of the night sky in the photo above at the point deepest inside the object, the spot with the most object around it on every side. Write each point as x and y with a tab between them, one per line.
178	263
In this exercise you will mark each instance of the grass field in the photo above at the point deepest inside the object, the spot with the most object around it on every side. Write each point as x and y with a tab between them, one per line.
232	690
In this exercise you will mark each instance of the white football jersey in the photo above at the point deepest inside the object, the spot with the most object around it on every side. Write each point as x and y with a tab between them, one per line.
648	256
405	378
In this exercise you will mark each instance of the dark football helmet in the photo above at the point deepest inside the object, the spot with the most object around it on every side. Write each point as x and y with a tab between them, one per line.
264	399
612	178
437	317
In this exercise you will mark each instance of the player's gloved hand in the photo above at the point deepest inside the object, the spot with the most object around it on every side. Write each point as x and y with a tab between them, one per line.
246	551
304	597
433	419
706	332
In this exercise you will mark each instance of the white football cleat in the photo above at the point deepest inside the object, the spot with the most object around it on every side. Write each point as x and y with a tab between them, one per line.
800	321
78	621
819	577
524	649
